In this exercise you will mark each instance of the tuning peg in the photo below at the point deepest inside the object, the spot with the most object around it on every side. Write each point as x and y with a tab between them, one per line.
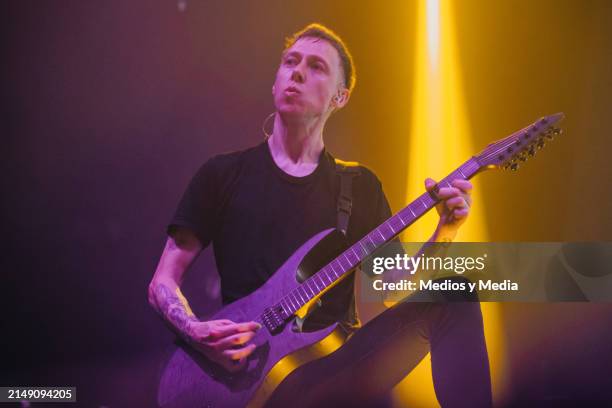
540	143
523	156
557	131
514	166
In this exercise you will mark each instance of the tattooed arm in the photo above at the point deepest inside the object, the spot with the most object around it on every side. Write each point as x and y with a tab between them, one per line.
222	341
165	296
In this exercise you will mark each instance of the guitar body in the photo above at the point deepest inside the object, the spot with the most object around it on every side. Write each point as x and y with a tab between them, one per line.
191	380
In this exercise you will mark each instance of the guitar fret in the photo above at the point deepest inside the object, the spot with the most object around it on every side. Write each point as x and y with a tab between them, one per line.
461	172
309	283
339	268
364	248
400	218
350	263
293	306
381	235
301	299
399	226
298	301
342	268
412	212
422	202
299	292
296	305
333	270
323	284
371	240
324	275
316	286
310	289
282	305
321	281
391	227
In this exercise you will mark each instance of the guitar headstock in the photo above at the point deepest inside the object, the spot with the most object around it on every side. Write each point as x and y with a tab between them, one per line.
506	153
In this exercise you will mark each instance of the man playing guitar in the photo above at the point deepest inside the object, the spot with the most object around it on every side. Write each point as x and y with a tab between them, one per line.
258	205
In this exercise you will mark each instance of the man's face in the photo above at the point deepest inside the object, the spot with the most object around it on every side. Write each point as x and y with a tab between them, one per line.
308	77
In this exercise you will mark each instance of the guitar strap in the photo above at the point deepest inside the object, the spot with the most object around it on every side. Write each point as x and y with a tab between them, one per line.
346	171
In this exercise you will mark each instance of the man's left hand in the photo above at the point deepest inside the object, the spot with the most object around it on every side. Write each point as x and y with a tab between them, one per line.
455	205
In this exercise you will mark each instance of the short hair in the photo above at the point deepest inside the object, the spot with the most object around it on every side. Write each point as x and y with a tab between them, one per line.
316	30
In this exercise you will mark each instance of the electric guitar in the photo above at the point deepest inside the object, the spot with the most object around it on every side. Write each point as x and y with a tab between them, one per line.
190	380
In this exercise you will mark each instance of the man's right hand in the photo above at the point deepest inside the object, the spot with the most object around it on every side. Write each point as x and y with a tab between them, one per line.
223	341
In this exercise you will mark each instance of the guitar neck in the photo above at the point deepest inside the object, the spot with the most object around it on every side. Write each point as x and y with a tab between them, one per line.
344	263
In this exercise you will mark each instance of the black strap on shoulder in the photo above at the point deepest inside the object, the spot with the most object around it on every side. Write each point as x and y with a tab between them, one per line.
346	171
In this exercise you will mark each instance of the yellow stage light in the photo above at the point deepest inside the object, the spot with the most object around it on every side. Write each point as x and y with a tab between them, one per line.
440	141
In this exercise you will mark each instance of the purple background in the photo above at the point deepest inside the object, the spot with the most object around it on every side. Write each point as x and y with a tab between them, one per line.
108	109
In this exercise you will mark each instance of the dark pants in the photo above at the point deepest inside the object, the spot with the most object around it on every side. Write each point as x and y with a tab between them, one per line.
386	349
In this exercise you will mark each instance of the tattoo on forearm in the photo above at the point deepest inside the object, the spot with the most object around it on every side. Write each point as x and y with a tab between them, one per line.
173	308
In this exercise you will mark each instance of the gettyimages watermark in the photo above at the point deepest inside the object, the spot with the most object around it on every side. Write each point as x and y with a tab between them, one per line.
519	272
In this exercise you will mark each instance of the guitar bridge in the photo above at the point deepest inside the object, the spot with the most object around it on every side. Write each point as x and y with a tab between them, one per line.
273	318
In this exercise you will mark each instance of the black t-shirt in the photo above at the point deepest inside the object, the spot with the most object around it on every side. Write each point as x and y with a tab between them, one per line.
256	216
